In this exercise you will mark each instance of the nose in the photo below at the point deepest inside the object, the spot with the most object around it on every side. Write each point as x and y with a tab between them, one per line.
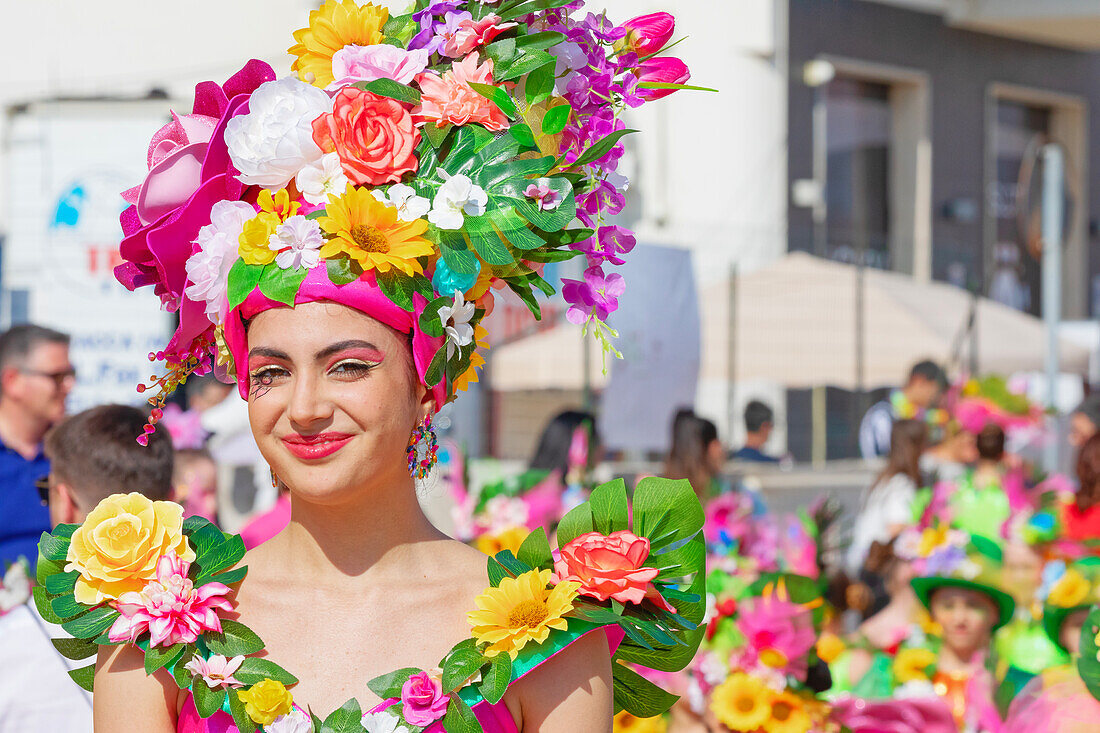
308	405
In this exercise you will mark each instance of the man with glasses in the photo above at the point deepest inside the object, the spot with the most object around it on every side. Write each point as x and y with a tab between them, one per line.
36	377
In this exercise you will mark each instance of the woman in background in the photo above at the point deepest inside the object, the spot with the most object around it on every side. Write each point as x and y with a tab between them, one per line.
696	454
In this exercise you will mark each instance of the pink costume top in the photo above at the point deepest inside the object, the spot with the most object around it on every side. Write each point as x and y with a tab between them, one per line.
494	718
262	528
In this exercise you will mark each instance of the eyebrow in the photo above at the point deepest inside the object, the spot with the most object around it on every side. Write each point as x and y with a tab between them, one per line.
322	354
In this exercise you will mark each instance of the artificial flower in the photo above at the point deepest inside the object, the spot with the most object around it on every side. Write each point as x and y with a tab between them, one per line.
336	24
353	64
1071	590
439	23
778	633
296	721
546	197
15	586
471	34
741	703
456	323
610	567
208	267
371	233
648	34
422	700
383	722
170	607
662	70
266	700
463	381
446	280
321	178
624	722
175	158
253	244
912	664
829	646
217	671
597	295
788	715
456	199
521	610
409	204
509	539
297	243
503	511
448	99
274	141
610	243
397	8
374	136
119	545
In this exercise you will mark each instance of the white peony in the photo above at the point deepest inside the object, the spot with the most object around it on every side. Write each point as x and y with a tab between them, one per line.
293	722
298	242
218	242
274	141
322	178
456	323
383	722
456	199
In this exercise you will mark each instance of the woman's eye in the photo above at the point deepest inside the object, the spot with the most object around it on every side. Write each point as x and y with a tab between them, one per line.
266	376
352	368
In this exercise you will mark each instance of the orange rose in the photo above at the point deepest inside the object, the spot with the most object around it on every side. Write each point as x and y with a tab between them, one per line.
374	136
610	566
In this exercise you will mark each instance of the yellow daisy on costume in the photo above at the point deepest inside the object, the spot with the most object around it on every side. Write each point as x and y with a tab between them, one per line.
788	715
521	610
336	24
507	539
742	703
912	664
256	234
1071	590
468	377
624	722
370	232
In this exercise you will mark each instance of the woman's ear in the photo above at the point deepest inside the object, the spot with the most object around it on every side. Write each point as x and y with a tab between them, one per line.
427	403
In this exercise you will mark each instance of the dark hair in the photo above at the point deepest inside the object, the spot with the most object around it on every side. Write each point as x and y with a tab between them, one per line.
552	453
1090	408
930	371
96	454
691	436
18	342
907	441
991	443
757	414
1088	473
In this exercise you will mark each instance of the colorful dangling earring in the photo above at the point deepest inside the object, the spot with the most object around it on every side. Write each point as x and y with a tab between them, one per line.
274	479
423	449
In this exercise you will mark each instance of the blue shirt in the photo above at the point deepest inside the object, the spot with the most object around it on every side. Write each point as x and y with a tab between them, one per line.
754	455
22	517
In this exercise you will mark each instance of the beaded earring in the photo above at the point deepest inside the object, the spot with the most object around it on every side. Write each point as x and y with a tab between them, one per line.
423	449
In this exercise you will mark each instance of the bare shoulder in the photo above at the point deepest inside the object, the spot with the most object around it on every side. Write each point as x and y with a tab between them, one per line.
570	691
127	699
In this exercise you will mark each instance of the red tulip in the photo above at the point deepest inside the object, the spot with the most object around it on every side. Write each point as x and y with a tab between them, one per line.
648	34
662	70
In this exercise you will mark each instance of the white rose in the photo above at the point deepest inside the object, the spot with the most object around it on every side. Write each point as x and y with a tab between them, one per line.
293	722
274	141
208	268
383	722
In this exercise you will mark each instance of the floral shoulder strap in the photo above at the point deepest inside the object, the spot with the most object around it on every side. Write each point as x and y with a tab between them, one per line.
136	572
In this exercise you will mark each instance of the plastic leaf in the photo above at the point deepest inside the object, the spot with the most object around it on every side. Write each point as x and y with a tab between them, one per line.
542	39
460	664
91	624
281	285
637	695
389	685
244	723
60	583
85	676
497	95
1088	664
577	522
343	270
539	84
74	648
459	718
218	557
208	700
392	89
610	509
256	669
243	279
535	550
52	547
42	602
601	148
344	720
229	577
235	639
495	678
556	118
501	52
157	657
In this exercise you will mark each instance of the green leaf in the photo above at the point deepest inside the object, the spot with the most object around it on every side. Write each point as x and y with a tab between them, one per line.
257	669
551	255
459	718
460	664
53	548
556	118
229	577
157	657
539	85
180	673
637	695
392	89
525	63
674	503
496	678
436	367
343	270
398	287
501	52
204	538
523	135
600	149
511	563
347	719
282	285
219	557
74	648
510	11
91	624
535	550
42	602
497	95
662	85
542	39
240	715
429	319
436	135
208	700
46	568
65	530
577	522
67	606
489	246
243	279
235	639
610	509
85	676
389	685
497	572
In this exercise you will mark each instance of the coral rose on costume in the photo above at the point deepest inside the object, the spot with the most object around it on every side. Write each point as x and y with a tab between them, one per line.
610	567
170	608
118	547
450	100
473	34
374	136
422	700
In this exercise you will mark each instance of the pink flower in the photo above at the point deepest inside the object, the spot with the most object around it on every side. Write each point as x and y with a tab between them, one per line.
648	34
366	63
374	136
217	671
546	197
473	34
610	566
778	634
450	100
662	70
170	608
728	518
422	700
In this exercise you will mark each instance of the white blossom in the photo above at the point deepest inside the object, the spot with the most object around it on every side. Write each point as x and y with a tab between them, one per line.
458	198
322	178
409	204
218	242
298	243
456	323
383	722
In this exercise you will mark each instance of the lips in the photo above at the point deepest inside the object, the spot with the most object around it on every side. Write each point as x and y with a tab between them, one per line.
314	447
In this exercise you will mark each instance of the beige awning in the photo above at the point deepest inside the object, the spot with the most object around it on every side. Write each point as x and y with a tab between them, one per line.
551	359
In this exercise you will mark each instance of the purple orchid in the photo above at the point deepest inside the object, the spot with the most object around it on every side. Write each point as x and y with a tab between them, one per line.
432	28
597	295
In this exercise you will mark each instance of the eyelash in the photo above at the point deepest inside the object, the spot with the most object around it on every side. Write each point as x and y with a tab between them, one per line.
354	367
265	376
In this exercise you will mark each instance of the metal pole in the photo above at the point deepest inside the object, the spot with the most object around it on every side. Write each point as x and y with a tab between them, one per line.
820	168
731	367
1053	212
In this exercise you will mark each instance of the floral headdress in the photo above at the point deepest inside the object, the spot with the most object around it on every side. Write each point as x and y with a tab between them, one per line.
422	155
992	400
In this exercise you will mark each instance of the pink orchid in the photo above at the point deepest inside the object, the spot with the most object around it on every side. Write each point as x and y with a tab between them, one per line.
170	608
422	700
217	671
662	70
473	34
778	634
546	197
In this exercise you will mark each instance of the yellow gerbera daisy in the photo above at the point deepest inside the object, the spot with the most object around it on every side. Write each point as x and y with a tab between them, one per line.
626	723
1071	590
507	539
788	715
521	610
274	210
468	377
370	232
742	703
913	664
337	23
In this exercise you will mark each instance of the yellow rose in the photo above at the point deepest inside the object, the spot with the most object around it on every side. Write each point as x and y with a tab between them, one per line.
252	244
913	664
508	539
1071	590
266	700
118	546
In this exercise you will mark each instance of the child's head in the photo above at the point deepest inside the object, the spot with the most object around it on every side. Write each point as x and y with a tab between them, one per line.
967	615
195	480
95	453
1069	634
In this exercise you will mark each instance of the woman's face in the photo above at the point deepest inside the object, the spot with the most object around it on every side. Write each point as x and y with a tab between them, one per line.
1070	633
332	399
967	617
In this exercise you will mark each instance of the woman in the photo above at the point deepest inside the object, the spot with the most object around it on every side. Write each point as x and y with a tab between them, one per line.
349	310
887	506
696	453
1081	518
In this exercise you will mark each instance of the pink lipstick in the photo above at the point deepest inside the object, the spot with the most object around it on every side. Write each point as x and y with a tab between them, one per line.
314	447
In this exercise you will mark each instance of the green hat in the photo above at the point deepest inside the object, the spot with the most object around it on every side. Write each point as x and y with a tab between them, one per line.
1059	603
926	586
